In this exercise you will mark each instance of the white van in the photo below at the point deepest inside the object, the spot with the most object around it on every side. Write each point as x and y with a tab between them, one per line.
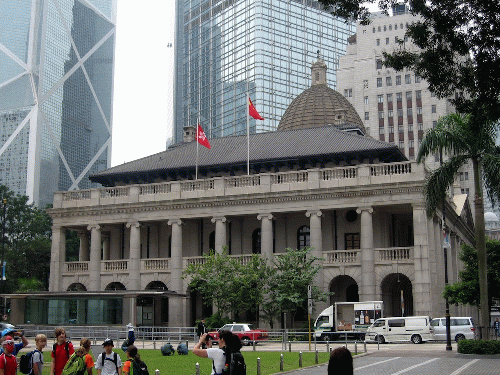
460	328
416	329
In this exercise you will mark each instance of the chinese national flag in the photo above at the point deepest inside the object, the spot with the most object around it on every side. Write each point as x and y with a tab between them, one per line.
201	137
253	112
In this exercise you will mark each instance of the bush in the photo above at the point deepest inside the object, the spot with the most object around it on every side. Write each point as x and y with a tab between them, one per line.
479	347
216	321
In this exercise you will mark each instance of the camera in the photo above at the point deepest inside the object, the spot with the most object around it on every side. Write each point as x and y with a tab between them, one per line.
208	337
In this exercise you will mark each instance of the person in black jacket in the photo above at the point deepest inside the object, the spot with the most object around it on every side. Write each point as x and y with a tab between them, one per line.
202	328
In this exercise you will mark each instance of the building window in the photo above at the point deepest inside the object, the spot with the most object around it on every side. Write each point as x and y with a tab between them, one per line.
401	144
418	94
380	98
389	98
388	81
379	82
380	114
408	95
398	80
400	112
466	176
256	243
401	128
434	124
399	96
381	130
367	115
433	108
303	237
365	83
390	113
385	27
391	129
411	143
348	93
378	62
386	40
407	79
379	29
352	241
390	27
366	100
373	30
410	127
417	79
419	110
211	241
378	42
420	126
396	39
409	111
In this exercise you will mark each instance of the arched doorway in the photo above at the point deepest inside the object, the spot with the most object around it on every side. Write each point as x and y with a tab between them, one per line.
397	295
115	285
344	289
76	287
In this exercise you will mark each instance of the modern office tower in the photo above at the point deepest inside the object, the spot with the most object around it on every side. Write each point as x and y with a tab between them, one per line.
224	48
396	106
56	85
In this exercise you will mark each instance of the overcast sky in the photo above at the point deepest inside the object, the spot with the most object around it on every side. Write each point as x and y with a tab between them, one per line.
142	108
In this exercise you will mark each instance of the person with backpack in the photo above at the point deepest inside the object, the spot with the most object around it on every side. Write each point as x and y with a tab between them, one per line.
61	351
133	365
89	361
8	362
227	359
36	360
108	362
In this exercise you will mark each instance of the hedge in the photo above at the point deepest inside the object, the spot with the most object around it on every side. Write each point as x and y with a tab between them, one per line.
479	347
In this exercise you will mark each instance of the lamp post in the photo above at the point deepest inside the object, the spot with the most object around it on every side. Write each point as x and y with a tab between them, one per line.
4	211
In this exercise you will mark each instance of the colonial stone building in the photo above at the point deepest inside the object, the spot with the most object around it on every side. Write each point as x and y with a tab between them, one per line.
317	181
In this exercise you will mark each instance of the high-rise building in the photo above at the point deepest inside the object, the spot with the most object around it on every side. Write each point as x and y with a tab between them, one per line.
226	48
56	85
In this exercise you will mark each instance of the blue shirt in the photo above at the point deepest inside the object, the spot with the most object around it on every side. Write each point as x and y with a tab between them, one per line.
17	347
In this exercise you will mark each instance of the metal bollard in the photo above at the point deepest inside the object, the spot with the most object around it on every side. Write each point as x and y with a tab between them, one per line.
355	347
282	362
327	346
316	358
258	365
154	345
378	343
364	344
290	346
187	344
197	368
253	344
157	372
300	359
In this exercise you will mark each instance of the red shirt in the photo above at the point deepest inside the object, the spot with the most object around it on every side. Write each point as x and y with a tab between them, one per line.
61	356
9	364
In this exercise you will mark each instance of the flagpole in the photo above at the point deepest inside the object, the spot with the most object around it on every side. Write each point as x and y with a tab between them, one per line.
197	145
248	132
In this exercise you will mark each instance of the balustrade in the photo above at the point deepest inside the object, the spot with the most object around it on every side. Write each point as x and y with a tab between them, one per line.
160	264
342	256
114	265
77	267
394	254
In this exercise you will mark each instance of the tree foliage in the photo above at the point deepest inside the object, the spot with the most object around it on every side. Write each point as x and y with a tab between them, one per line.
466	290
26	242
458	45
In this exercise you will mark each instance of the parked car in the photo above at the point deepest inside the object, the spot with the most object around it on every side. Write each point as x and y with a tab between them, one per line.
460	328
416	329
244	331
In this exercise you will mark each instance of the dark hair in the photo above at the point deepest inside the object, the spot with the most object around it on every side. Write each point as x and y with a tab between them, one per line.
340	362
233	342
132	352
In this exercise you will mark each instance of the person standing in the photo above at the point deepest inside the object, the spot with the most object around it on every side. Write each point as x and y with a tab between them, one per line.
229	344
108	362
202	328
340	362
61	351
496	326
133	357
37	357
89	361
12	333
8	363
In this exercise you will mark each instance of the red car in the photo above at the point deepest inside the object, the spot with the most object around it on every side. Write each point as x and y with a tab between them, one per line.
244	331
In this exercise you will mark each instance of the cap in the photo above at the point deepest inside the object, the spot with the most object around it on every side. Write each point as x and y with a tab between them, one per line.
130	325
6	331
8	340
107	342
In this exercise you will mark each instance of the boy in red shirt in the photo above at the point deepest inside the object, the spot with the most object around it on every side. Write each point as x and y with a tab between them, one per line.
8	363
61	351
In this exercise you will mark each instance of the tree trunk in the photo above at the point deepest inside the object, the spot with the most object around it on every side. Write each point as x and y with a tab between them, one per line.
484	317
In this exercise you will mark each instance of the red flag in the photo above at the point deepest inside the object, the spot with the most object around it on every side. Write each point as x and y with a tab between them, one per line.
202	138
253	112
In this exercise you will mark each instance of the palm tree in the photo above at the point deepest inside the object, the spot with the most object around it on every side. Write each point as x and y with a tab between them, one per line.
459	137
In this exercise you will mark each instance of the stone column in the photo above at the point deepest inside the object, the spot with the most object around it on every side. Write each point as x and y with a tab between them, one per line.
422	286
176	258
105	247
95	258
134	264
220	233
266	234
367	255
316	243
83	254
57	257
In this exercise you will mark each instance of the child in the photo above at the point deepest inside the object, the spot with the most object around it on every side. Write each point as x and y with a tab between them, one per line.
89	362
61	351
108	362
132	356
37	357
8	363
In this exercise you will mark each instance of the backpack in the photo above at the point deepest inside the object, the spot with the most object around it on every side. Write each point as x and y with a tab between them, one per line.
75	365
114	360
236	363
26	362
182	349
138	367
167	349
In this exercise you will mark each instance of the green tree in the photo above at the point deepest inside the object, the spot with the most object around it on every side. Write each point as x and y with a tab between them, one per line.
458	137
294	271
466	290
458	45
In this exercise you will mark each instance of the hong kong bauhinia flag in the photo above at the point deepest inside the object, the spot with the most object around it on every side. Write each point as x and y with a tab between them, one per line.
253	112
202	138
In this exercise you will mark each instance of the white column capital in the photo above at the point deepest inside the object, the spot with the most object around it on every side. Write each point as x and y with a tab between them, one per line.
175	221
134	224
361	209
218	218
94	226
419	205
318	213
265	216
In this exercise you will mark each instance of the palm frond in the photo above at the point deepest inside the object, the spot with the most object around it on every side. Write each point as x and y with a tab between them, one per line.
491	174
440	180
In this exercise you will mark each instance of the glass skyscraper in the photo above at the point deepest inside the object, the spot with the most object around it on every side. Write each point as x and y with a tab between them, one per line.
225	48
56	85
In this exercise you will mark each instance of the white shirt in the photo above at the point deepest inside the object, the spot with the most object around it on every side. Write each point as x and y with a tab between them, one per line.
217	355
37	359
109	367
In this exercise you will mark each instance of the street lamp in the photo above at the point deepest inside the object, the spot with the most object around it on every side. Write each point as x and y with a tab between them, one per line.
4	211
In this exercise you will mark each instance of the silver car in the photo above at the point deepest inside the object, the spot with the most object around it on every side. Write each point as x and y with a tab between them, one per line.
460	328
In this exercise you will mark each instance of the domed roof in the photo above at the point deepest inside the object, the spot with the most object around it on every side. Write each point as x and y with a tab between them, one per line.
319	106
490	216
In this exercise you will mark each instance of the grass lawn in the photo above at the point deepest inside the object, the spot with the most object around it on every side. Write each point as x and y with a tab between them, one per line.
186	364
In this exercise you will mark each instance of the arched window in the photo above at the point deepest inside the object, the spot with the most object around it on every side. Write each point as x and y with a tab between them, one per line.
77	287
211	241
303	237
115	286
256	241
156	285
